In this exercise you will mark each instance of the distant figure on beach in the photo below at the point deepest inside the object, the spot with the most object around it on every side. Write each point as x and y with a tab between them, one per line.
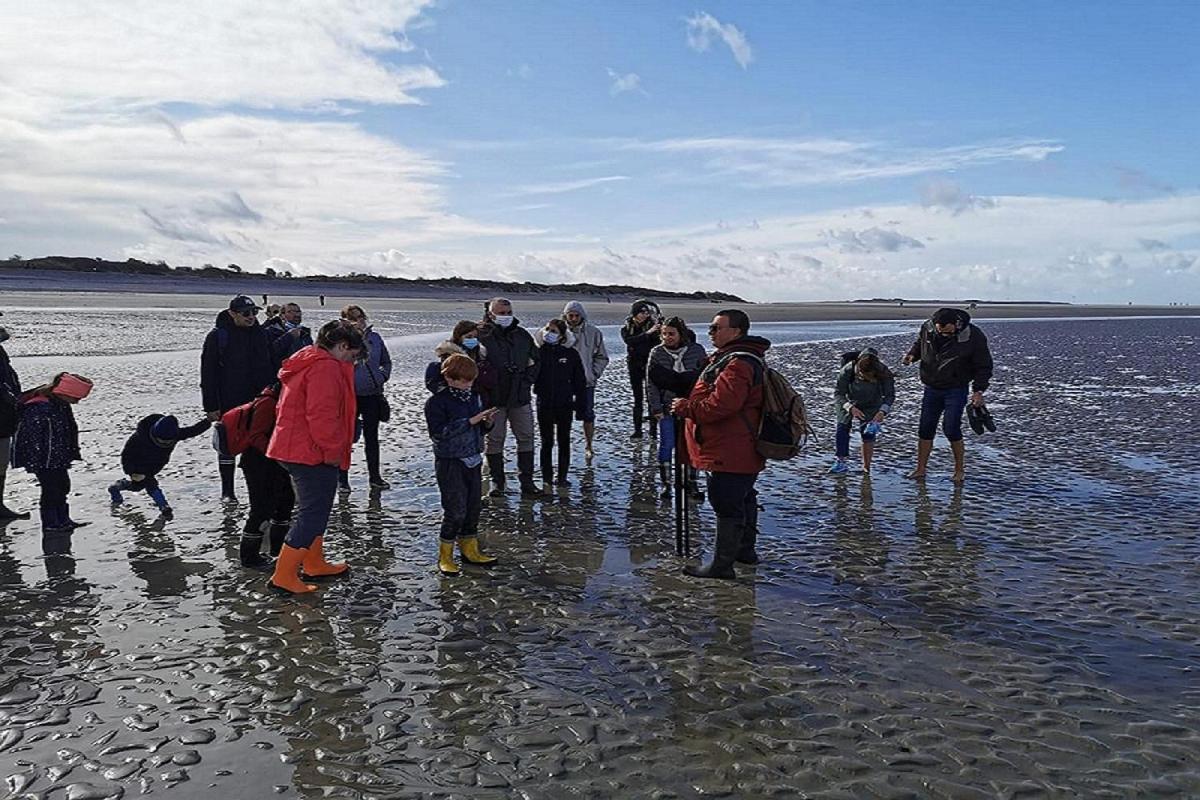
561	389
265	304
322	298
47	443
640	334
147	452
513	355
314	430
371	374
721	416
954	355
10	396
864	395
457	421
286	334
672	371
235	365
589	343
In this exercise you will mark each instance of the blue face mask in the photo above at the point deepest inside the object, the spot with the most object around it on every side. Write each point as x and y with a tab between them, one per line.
470	344
549	337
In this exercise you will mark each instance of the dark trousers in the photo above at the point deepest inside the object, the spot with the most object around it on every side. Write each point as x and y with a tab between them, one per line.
841	438
733	496
270	488
947	404
637	382
56	485
369	406
315	487
461	490
554	424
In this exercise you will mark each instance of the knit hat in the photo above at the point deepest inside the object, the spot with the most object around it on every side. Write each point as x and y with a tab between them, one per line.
165	429
72	387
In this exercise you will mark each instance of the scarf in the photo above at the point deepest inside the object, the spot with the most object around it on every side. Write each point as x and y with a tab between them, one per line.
678	355
460	394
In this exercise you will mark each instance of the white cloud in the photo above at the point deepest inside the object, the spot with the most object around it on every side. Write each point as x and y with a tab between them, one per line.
568	186
703	28
772	163
629	82
81	56
949	196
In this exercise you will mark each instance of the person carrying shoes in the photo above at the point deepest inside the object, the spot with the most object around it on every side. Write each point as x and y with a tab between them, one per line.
314	429
457	422
147	452
954	356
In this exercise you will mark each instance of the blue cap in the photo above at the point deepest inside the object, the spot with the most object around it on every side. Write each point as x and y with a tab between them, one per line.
165	429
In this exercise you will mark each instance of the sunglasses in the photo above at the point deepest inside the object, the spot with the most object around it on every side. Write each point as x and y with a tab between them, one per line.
249	312
714	328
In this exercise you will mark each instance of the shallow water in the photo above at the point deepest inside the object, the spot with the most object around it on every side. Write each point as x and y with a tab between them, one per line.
1033	633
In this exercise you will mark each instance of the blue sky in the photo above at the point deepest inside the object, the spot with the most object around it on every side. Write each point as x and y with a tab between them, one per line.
778	150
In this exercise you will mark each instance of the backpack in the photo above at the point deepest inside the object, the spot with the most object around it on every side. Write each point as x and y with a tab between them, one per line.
784	429
250	424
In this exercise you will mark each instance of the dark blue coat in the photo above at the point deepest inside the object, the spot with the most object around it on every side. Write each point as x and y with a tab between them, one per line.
47	436
560	381
282	343
235	364
144	455
10	392
449	423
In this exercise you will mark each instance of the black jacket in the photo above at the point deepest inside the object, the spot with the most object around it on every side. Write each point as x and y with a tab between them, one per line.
514	356
952	362
282	342
10	393
638	340
560	381
235	364
143	455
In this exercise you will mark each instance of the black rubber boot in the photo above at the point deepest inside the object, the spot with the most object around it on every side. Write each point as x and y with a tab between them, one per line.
746	553
525	473
227	473
547	463
664	473
729	536
496	472
279	532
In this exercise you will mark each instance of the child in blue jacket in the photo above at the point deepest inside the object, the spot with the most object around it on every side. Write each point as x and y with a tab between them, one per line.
146	453
457	422
47	442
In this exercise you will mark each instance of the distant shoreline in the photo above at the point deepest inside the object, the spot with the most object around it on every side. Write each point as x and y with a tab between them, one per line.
41	289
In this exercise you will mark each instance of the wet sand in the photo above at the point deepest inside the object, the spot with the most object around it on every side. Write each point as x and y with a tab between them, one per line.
1032	633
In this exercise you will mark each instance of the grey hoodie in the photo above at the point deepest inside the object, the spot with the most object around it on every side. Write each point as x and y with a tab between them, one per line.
589	342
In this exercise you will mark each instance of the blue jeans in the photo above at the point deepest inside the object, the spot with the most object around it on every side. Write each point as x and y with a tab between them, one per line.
842	437
666	438
948	404
315	486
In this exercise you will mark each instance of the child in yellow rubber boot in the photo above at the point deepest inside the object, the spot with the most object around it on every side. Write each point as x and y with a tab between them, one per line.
457	422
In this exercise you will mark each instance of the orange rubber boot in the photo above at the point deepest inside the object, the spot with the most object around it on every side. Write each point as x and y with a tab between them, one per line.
287	571
315	565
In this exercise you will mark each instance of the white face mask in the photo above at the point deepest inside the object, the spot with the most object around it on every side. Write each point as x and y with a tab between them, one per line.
504	321
550	337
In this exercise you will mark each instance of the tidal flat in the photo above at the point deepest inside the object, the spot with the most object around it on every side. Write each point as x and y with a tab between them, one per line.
1032	633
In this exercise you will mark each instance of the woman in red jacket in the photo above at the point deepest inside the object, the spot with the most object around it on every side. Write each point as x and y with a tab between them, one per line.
314	428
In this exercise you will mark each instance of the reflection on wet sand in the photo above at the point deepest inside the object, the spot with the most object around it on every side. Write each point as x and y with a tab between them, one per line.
1031	632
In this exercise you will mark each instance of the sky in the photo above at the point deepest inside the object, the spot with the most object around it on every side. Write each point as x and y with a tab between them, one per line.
779	151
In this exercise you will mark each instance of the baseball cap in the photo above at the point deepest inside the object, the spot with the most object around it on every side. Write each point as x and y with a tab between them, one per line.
243	303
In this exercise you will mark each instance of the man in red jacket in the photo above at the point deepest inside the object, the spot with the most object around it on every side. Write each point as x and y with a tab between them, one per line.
721	416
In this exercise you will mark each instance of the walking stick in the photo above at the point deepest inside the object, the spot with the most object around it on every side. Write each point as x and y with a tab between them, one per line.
678	475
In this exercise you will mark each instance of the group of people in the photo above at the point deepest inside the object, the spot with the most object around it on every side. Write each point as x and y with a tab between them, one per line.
304	402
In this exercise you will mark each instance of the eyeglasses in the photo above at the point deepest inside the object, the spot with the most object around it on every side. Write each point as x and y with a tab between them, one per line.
714	328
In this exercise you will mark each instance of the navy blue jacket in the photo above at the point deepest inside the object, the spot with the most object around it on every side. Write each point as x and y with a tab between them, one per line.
560	381
235	364
283	344
47	436
144	455
449	423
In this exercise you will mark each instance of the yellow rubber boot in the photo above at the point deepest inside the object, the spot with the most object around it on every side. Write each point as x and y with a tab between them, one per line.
469	547
446	558
287	571
315	565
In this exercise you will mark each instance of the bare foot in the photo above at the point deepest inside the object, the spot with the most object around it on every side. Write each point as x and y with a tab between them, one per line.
916	475
959	477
